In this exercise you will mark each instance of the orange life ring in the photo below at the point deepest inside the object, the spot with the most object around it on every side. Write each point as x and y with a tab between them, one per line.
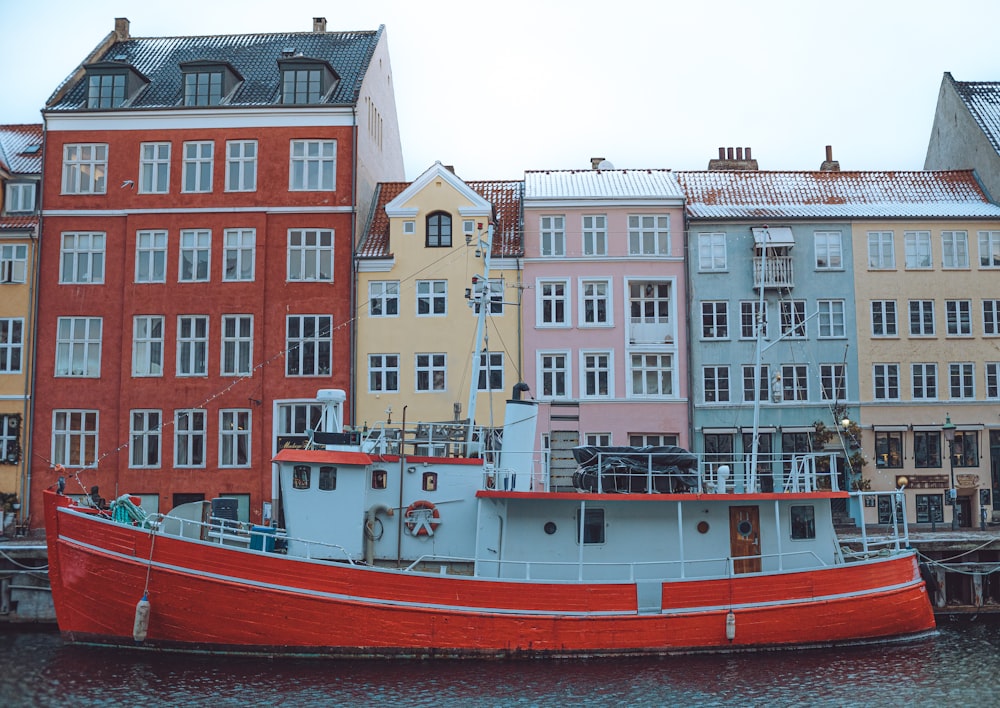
421	518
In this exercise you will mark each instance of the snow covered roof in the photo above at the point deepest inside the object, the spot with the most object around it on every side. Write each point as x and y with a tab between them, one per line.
753	194
21	148
602	184
982	98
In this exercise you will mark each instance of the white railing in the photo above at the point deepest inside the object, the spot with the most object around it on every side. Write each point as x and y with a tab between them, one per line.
897	534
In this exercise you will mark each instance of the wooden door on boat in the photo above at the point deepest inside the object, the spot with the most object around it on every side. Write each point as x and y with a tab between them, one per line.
744	538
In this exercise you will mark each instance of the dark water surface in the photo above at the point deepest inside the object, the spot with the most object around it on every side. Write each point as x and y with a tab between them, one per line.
958	667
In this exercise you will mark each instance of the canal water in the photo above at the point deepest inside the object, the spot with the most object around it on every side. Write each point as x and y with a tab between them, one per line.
958	667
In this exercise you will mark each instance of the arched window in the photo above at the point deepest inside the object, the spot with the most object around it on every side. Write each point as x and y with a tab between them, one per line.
439	230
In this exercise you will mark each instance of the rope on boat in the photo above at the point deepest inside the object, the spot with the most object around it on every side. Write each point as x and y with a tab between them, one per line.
125	511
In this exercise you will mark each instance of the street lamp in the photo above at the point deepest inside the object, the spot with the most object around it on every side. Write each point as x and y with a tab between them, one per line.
949	435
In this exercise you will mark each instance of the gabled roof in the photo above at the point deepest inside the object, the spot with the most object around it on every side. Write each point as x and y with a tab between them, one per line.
17	153
835	195
601	184
504	195
253	56
982	99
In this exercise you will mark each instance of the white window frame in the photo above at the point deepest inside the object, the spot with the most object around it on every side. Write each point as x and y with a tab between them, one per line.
409	227
716	384
832	319
239	255
752	312
310	351
597	374
991	318
649	234
75	437
554	372
383	373
192	345
594	234
955	250
310	255
715	319
992	370
923	381
198	163
829	249
151	256
762	387
11	345
493	379
885	381
958	318
552	305
794	382
85	168
241	165
552	236
793	318
989	250
593	294
13	263
154	168
917	248
383	296
146	439
926	327
190	438
236	350
20	198
962	380
235	438
80	351
147	345
196	244
712	255
647	367
833	380
432	297
430	372
81	257
312	166
881	250
890	319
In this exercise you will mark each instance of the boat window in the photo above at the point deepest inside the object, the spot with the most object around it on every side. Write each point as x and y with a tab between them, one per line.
379	479
430	481
803	522
327	478
300	477
592	530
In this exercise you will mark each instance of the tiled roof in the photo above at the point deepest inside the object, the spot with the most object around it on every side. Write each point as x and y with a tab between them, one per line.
834	195
504	195
601	184
254	56
18	223
14	141
982	98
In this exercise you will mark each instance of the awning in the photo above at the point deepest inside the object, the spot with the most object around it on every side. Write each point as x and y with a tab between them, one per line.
773	236
718	431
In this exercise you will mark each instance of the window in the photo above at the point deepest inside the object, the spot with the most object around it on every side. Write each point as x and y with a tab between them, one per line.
490	371
762	383
715	320
829	250
195	255
753	314
652	374
833	382
105	90
74	438
595	235
383	298
496	290
930	508
649	303
154	168
596	307
793	318
327	478
961	377
597	439
989	249
926	449
438	230
649	235
380	479
295	420
881	253
596	371
78	346
991	317
189	438
552	304
241	166
85	168
590	528
147	345
992	380
552	235
198	160
151	257
310	255
715	383
432	297
383	373
313	166
794	382
10	448
300	477
924	381
650	439
917	246
237	345
431	370
238	255
883	318
429	480
958	317
234	438
20	197
803	522
468	227
82	258
922	317
192	345
831	319
302	85
144	437
965	450
954	249
308	345
886	381
11	344
553	368
13	262
719	450
409	227
712	252
202	88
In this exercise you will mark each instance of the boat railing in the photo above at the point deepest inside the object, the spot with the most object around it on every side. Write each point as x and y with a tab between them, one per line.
429	439
893	536
768	472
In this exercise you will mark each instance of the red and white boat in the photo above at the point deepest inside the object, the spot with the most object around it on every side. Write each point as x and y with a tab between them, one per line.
415	544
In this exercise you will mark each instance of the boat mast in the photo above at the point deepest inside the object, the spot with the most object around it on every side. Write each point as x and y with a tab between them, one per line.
760	322
480	296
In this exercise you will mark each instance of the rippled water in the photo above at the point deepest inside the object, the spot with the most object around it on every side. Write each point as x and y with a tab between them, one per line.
960	666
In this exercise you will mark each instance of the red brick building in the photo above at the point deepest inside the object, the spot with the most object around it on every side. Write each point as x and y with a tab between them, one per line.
200	200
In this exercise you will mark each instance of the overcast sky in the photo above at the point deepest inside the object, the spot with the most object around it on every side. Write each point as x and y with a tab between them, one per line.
495	88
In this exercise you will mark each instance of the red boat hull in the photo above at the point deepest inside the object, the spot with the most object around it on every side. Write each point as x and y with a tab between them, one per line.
212	598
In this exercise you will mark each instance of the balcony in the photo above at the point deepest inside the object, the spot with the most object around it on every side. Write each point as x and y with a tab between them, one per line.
643	331
778	272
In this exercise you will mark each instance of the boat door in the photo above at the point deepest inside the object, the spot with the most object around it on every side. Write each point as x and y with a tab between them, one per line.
744	538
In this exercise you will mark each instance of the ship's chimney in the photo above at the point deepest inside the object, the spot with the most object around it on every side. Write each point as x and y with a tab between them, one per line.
319	24
121	29
595	162
829	164
733	159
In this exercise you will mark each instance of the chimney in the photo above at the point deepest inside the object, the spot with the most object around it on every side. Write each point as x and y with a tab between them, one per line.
829	164
121	29
733	159
595	162
319	24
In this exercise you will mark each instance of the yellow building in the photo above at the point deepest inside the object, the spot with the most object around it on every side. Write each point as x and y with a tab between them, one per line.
20	174
424	251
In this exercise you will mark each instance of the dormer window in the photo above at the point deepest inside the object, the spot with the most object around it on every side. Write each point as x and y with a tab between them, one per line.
111	84
208	83
439	230
305	80
20	197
